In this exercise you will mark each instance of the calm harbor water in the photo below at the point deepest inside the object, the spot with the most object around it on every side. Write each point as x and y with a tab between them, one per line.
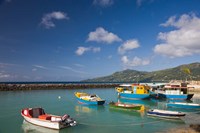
90	119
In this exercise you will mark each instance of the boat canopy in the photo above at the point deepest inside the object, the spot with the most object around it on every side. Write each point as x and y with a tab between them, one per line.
35	112
174	87
125	85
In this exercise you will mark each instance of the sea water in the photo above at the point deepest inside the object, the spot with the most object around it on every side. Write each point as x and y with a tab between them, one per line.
90	119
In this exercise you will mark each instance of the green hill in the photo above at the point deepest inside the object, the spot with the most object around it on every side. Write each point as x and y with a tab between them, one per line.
183	72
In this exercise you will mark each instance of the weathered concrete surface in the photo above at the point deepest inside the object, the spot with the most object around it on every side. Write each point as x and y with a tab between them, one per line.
15	87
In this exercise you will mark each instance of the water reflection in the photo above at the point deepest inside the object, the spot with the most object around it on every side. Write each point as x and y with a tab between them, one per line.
192	118
127	112
182	101
162	104
196	98
146	103
88	108
187	110
177	121
30	128
182	108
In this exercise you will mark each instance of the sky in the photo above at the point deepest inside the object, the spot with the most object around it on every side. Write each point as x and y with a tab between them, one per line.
74	40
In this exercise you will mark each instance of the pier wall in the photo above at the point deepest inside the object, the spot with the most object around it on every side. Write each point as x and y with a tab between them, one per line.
15	87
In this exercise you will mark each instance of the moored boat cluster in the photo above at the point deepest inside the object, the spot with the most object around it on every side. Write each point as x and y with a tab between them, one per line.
37	116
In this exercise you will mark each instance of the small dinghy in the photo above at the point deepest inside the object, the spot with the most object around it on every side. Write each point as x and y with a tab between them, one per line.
165	113
89	99
126	106
37	116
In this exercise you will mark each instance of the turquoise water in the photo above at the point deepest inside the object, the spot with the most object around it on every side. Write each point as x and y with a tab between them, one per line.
90	119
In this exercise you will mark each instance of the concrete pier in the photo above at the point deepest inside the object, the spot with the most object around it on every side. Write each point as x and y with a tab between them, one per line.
16	87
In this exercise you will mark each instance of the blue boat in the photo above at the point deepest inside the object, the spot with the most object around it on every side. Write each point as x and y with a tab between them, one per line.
133	91
178	92
88	99
184	105
165	113
175	96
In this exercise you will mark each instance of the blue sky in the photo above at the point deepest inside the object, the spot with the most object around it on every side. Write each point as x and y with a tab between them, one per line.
73	40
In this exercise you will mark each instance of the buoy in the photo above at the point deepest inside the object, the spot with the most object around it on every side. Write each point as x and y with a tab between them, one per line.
59	97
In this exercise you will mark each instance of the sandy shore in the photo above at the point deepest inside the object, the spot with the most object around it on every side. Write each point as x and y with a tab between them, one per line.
186	129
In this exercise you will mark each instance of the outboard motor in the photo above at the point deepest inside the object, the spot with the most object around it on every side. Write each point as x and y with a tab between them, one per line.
68	121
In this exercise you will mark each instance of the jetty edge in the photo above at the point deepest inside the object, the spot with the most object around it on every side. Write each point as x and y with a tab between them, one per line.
46	86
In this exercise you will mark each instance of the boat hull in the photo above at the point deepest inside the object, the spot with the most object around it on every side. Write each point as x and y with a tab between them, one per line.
132	107
165	114
44	123
28	127
184	105
133	96
179	97
82	101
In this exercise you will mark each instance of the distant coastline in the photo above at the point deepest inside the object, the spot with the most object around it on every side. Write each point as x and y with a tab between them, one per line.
58	82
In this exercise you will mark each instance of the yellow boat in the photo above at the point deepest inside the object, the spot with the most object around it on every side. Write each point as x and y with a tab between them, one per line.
85	98
133	91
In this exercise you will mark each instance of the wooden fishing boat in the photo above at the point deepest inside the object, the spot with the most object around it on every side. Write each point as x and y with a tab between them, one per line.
85	98
173	91
37	116
133	91
127	106
165	113
184	105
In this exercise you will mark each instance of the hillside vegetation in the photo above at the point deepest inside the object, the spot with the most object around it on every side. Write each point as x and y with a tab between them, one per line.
183	72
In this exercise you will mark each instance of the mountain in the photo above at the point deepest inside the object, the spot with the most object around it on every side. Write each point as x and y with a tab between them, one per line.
182	72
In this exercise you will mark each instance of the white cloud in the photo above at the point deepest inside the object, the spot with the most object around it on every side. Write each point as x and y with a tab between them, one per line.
103	3
3	65
71	69
66	67
79	65
101	35
128	45
34	69
184	40
39	66
3	75
6	65
8	1
82	50
170	21
139	2
95	49
110	57
124	60
47	19
136	61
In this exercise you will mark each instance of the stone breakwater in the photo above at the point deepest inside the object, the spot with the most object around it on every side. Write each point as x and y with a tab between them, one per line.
17	87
